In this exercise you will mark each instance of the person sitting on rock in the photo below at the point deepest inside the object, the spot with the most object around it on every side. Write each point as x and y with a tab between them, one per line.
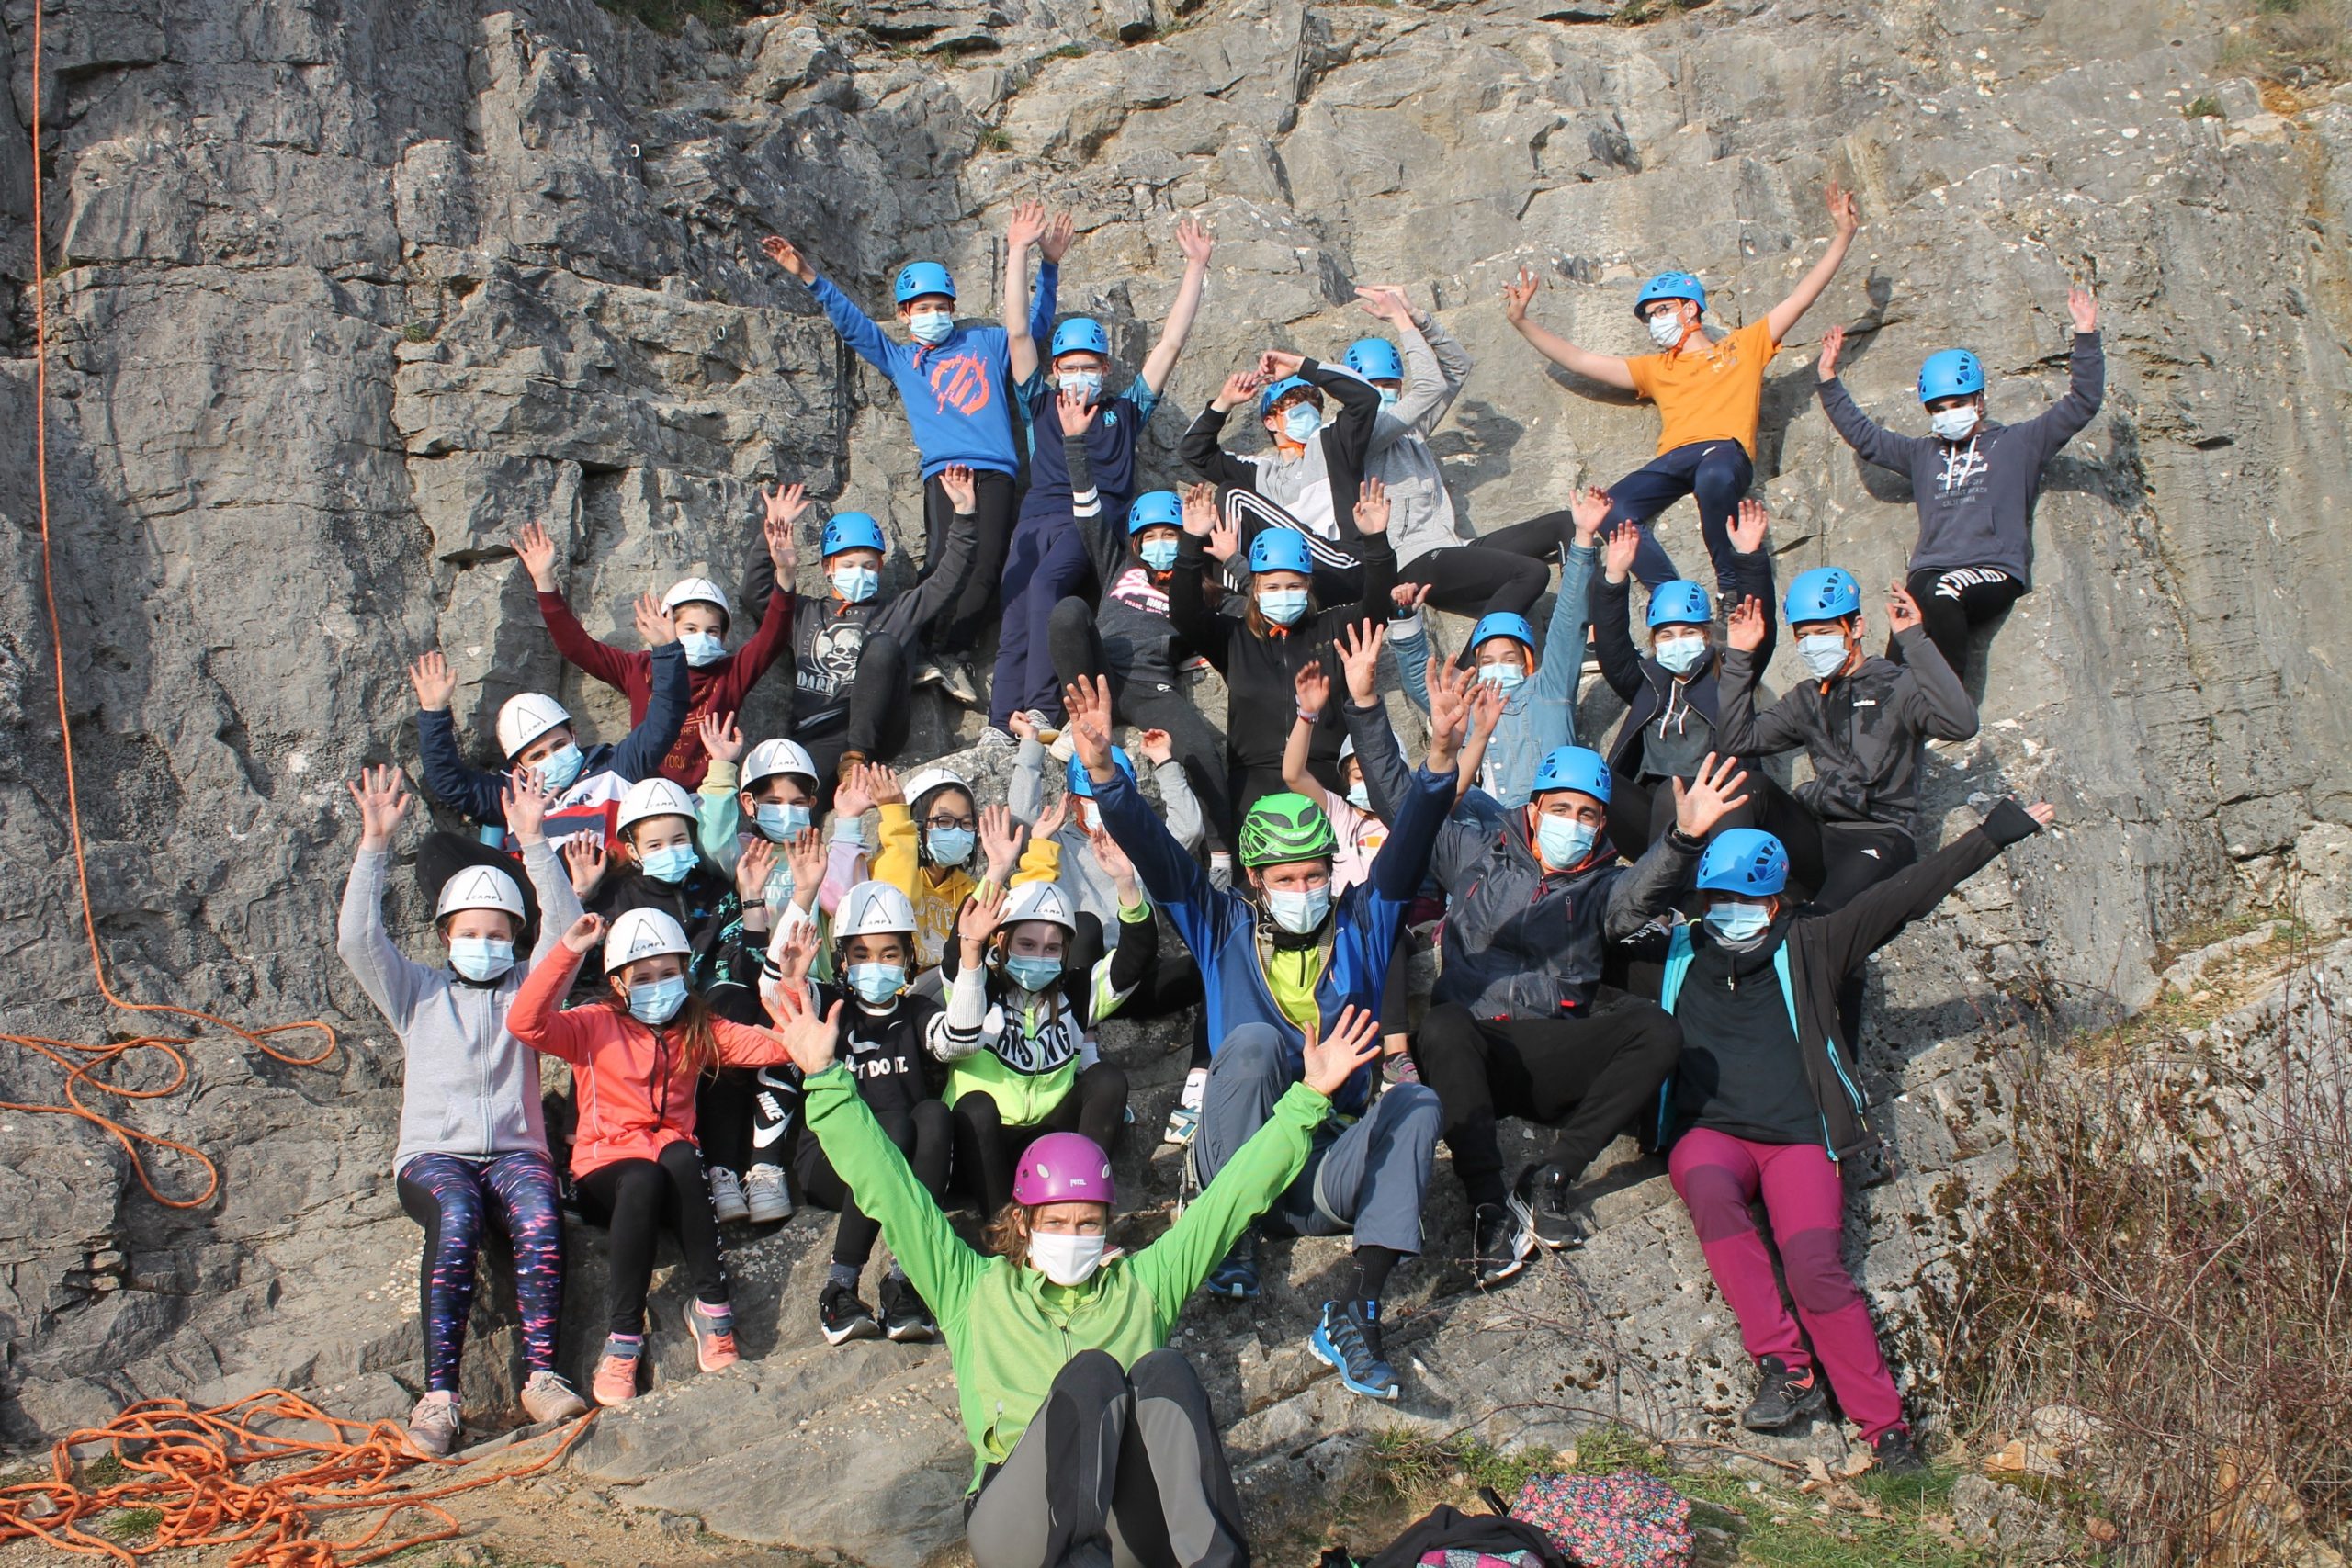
1973	481
1092	1441
1280	973
535	732
934	835
1709	393
1671	695
636	1055
717	680
1765	1103
1314	473
464	1157
955	381
1259	652
852	649
1024	999
1081	462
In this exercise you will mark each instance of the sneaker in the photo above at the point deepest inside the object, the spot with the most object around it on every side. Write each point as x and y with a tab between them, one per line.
1397	1067
1348	1341
1236	1279
905	1320
727	1195
546	1397
766	1198
844	1318
1786	1396
930	673
1506	1240
954	677
1221	871
1896	1456
1050	729
432	1425
616	1379
1185	1119
1548	1196
1062	747
714	1331
993	738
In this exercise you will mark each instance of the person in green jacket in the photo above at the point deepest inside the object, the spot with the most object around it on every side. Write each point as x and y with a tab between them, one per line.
1092	1441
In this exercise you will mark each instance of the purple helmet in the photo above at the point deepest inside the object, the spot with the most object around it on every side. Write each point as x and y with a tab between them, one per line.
1062	1168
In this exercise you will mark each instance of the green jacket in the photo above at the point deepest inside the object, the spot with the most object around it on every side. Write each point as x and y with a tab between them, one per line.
1010	1331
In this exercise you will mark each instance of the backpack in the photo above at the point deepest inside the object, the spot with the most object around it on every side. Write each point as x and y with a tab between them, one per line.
1624	1520
1447	1538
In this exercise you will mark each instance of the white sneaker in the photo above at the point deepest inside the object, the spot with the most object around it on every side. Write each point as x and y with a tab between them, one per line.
1185	1119
1049	732
432	1425
546	1397
1063	746
727	1195
766	1194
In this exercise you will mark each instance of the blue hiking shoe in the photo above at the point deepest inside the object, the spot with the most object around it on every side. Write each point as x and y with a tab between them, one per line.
1348	1341
1236	1279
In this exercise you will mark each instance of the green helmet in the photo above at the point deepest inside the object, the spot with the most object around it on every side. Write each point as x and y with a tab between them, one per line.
1286	827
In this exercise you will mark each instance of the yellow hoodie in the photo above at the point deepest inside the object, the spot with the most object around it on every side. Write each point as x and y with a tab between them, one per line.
938	892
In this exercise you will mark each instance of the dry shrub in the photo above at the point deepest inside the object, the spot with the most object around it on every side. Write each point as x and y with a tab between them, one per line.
2294	43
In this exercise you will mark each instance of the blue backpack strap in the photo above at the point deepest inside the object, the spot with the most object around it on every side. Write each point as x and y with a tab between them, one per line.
1828	1046
1678	965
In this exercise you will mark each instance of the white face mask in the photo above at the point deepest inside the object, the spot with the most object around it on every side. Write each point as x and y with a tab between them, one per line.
1953	424
1680	655
702	647
1823	654
857	584
1066	1259
1087	384
1666	327
1299	913
931	326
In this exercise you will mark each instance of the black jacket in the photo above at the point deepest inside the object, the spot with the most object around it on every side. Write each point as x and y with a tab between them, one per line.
1643	685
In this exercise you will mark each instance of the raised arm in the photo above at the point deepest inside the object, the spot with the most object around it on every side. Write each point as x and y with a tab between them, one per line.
1739	728
536	1016
1873	442
1846	214
446	775
1608	369
1026	227
1168	873
1931	697
390	980
1646	891
1202	447
1188	608
1314	690
527	809
1160	363
1612	614
640	754
921	605
2086	383
535	549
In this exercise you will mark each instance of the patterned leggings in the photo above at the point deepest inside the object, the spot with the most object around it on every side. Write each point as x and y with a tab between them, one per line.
450	1197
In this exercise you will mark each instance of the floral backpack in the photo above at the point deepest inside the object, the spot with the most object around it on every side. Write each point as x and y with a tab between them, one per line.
1624	1520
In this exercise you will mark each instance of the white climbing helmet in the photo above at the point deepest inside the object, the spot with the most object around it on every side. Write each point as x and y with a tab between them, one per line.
526	718
930	780
874	908
698	590
642	933
1038	901
770	758
1347	748
479	888
653	797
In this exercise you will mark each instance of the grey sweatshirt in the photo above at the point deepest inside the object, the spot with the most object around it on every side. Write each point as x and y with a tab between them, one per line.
471	1089
1081	877
1420	511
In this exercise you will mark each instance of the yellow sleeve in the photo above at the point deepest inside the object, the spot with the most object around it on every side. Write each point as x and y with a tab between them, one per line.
1642	367
1040	862
894	863
1766	345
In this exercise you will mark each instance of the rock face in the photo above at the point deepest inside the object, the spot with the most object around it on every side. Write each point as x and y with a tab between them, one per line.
343	291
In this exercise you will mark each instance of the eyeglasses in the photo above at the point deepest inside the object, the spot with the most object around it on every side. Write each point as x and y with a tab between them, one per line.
965	822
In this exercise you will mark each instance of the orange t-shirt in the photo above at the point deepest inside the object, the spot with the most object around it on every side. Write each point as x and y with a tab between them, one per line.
1711	393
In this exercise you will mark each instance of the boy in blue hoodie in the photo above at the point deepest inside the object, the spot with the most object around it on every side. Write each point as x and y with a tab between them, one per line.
955	379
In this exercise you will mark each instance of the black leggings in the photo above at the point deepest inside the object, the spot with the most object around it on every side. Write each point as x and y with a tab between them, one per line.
1954	602
921	1132
637	1198
987	1150
957	629
876	719
723	1117
1478	581
1078	653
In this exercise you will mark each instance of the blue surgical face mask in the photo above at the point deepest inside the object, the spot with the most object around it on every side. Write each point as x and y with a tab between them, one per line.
670	864
1301	420
1953	424
1823	654
779	823
1087	384
1032	974
1737	923
481	957
931	326
950	846
1389	396
1360	796
702	647
876	983
1158	553
1283	606
1563	841
657	1003
1503	677
857	584
558	769
1299	913
1681	655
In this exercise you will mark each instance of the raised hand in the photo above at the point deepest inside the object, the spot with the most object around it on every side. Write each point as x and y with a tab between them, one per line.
525	806
1239	388
1386	301
1276	363
1111	859
852	796
1159	747
1200	510
1748	527
2041	811
1617	555
1000	842
1059	234
806	853
429	673
1195	240
1026	226
2082	306
382	804
1225	539
1487	705
1359	646
1372	507
1902	610
1075	408
1088	703
1449	710
1719	789
956	481
1408	597
795	952
808	1038
784	506
1745	630
1023	727
786	254
1587	510
1049	820
719	737
584	933
753	871
537	552
882	783
1313	686
584	862
653	623
1335	1057
980	915
1833	344
1517	295
1844	210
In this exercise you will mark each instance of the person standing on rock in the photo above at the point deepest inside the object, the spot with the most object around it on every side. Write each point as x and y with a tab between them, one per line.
955	381
472	1141
1765	1104
1282	972
1081	462
1709	393
1973	481
1092	1441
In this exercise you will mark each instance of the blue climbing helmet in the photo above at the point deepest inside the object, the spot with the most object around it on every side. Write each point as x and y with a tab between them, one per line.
1081	335
1280	390
1680	604
1080	785
1281	550
1578	768
1744	860
1954	373
1670	286
1374	359
917	279
1825	594
852	531
1502	623
1153	508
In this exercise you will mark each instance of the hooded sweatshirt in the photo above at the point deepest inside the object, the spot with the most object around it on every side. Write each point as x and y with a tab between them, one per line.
1319	486
1081	877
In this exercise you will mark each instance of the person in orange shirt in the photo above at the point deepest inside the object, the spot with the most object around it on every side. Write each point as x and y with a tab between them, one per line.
1709	391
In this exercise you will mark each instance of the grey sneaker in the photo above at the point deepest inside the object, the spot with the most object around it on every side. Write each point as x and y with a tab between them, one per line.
432	1425
765	1197
727	1194
546	1397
